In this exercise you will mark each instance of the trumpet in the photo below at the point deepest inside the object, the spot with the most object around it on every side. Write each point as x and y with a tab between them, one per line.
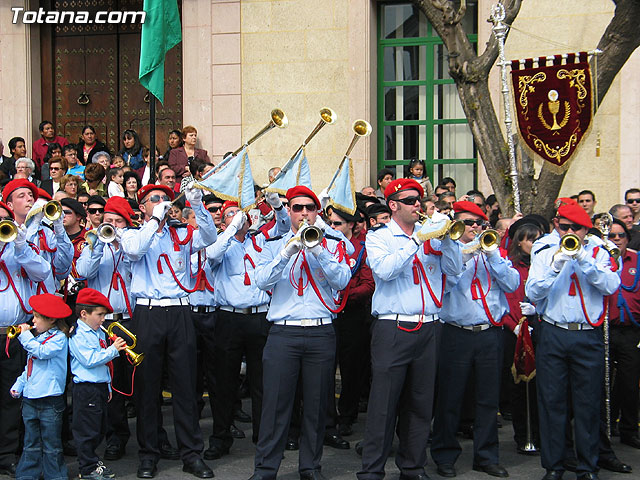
136	358
455	229
104	232
8	230
361	128
310	235
14	330
489	240
603	223
52	211
278	119
570	244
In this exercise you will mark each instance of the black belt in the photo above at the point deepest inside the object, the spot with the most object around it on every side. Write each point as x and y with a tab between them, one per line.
202	309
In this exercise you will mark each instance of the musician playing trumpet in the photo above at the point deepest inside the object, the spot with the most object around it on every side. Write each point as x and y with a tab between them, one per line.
569	286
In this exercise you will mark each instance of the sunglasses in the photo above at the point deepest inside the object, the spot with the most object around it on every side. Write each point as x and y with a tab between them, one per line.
633	200
407	200
337	223
230	214
157	198
298	207
67	212
136	216
54	169
213	209
95	210
472	223
573	226
617	235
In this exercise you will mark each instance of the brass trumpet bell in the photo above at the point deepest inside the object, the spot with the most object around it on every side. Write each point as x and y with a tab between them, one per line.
8	231
14	330
279	118
136	358
489	240
310	235
456	230
570	244
328	115
362	128
52	210
106	233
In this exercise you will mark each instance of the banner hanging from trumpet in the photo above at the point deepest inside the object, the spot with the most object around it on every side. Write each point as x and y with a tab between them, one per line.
233	182
553	103
524	359
295	172
342	193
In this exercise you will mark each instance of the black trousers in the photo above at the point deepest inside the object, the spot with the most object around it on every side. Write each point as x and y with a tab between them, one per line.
118	432
625	356
10	419
403	367
352	334
291	351
236	335
89	422
166	333
461	353
205	324
569	361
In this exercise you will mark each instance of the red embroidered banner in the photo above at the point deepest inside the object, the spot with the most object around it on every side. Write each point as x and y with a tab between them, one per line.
553	104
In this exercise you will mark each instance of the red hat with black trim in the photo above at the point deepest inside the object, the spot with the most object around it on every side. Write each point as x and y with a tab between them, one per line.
228	204
575	213
93	298
44	194
119	206
144	191
13	185
403	184
11	214
302	191
469	207
49	305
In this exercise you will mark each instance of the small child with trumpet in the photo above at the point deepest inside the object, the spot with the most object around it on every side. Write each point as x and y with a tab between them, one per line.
91	369
42	387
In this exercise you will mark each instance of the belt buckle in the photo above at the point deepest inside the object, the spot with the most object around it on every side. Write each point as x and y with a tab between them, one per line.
308	322
574	326
477	328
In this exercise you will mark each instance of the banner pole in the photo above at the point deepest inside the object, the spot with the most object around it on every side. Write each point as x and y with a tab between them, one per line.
500	30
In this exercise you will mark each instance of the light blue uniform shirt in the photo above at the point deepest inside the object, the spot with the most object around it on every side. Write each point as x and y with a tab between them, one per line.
152	276
37	270
60	259
228	255
203	298
98	266
549	291
459	306
272	273
390	254
88	359
77	170
49	373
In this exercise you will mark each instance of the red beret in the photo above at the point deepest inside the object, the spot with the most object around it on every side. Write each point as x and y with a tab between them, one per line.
119	206
302	191
144	191
44	194
403	184
49	305
91	297
470	207
565	201
228	204
576	214
13	185
11	214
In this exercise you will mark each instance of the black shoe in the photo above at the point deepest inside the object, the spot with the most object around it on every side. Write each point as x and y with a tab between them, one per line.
553	475
570	464
419	476
113	452
521	450
313	475
257	476
198	469
131	410
167	452
214	452
292	444
236	432
494	470
345	430
8	469
336	441
241	416
359	448
589	476
446	470
631	441
69	449
147	469
615	465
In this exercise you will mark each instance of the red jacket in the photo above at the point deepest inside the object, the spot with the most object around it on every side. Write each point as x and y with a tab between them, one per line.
40	146
631	297
513	316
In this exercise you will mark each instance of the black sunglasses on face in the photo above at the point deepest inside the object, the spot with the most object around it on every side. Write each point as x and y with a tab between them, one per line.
298	207
157	198
67	212
213	209
95	210
633	200
471	223
573	226
337	223
408	200
617	235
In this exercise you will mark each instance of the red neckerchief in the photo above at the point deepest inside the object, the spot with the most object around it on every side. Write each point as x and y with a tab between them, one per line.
477	292
176	246
117	281
575	285
31	357
176	239
202	282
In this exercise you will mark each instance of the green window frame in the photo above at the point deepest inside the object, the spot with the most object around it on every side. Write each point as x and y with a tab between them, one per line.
434	82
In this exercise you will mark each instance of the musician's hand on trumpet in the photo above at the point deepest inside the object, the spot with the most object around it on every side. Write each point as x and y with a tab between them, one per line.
160	211
292	247
238	221
21	237
193	194
435	226
119	343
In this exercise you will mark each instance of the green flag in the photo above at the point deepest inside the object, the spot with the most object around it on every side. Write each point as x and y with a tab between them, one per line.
161	32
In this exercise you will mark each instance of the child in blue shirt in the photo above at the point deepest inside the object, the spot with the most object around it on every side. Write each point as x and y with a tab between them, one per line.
42	387
91	369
